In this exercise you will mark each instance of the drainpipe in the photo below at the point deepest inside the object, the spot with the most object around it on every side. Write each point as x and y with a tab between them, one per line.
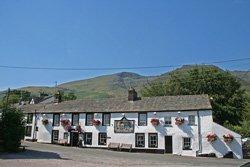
34	129
199	133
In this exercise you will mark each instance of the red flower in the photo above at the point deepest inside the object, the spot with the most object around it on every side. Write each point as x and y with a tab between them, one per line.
155	121
179	121
96	122
45	121
228	138
211	137
65	122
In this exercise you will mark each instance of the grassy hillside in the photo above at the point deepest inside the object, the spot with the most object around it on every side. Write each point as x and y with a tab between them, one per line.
116	85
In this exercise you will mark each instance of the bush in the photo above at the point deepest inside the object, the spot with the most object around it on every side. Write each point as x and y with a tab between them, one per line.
12	129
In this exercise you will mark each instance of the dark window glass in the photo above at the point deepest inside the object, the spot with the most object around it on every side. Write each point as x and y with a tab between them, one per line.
88	138
29	118
191	119
55	135
187	143
106	119
28	131
167	121
102	139
139	140
153	140
56	119
142	119
89	119
75	119
65	135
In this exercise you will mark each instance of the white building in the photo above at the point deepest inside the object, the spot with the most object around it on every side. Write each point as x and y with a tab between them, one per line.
169	124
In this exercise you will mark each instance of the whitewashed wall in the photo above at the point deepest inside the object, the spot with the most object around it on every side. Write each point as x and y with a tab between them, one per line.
177	132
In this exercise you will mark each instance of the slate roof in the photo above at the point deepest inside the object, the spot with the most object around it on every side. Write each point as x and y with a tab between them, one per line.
160	103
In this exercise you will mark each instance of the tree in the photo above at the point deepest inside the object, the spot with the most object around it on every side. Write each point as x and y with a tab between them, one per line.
228	99
11	128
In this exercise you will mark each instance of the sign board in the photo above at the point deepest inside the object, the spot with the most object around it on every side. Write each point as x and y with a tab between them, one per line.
124	126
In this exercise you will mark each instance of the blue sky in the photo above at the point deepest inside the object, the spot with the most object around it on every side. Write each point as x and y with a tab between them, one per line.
115	33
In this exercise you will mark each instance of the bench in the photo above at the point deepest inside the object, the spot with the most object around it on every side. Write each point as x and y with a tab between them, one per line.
63	142
114	146
23	147
126	146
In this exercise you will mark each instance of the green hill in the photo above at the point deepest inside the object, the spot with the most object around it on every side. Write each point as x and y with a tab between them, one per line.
116	85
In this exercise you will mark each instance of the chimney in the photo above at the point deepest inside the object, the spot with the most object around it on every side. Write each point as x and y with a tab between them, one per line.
58	97
132	94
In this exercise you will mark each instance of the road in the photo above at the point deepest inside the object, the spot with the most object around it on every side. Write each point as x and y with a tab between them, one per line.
41	155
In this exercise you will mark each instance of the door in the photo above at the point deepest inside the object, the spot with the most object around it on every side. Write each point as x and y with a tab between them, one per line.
168	144
74	138
55	136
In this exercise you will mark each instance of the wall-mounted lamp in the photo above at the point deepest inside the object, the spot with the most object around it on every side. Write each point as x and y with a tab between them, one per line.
123	114
154	113
179	112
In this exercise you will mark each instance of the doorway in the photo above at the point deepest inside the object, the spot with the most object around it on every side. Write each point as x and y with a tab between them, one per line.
74	138
168	144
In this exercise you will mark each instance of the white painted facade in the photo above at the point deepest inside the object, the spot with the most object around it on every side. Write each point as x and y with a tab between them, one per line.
199	144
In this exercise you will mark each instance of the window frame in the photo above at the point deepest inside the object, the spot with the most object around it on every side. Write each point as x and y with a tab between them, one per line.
149	140
72	118
86	119
30	133
66	135
136	140
54	119
85	138
170	120
194	120
29	118
187	145
139	121
104	138
53	138
103	124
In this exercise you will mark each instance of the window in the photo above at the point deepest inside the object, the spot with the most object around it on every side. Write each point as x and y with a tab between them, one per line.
75	119
153	140
106	119
56	119
88	138
29	118
89	119
191	120
139	140
142	119
28	131
167	121
102	139
55	136
65	135
187	143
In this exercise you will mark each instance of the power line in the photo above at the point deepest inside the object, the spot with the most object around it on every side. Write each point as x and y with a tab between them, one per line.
115	68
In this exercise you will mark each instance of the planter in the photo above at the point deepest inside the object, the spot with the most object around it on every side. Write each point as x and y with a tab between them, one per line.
45	121
179	121
96	122
65	122
228	138
211	137
155	121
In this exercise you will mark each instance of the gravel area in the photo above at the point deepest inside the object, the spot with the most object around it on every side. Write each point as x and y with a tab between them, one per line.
40	155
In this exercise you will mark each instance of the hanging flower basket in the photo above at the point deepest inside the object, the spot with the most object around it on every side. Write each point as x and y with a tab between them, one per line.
155	121
228	138
65	122
179	121
211	137
96	122
79	128
45	121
